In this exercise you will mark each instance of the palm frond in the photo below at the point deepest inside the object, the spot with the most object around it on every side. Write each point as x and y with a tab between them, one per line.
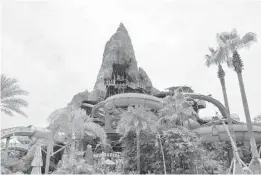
229	62
231	41
216	57
248	39
176	108
221	39
18	102
9	91
11	108
6	82
96	129
7	111
209	60
62	120
12	91
136	119
212	50
55	115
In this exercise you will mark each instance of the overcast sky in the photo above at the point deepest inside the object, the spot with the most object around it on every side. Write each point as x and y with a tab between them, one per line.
54	48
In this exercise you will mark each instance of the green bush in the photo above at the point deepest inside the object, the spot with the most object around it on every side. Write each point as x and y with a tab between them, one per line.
184	153
74	166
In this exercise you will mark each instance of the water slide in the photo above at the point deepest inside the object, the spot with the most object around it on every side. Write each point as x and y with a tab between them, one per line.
42	134
26	131
218	133
17	146
17	131
113	103
123	100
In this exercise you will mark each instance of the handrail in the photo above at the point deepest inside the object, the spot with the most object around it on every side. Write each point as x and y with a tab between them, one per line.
8	131
18	145
16	129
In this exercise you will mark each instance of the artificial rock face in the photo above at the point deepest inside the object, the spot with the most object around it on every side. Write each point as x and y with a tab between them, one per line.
118	50
143	77
78	98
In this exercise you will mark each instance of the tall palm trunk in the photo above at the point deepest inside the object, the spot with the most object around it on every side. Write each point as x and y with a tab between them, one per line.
238	65
221	76
163	156
247	114
138	150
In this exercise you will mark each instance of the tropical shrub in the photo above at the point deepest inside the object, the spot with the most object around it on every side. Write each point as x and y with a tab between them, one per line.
184	153
74	166
216	156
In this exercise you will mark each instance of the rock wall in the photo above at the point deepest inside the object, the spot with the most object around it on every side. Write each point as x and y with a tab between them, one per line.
118	50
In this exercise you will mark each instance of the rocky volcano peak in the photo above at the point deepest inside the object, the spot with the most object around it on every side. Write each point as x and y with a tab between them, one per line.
122	28
118	50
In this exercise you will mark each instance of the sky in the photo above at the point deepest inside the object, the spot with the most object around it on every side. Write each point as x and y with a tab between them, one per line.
54	48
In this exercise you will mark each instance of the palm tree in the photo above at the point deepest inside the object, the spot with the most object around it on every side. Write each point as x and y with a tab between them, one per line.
64	120
231	42
177	109
10	103
218	57
136	119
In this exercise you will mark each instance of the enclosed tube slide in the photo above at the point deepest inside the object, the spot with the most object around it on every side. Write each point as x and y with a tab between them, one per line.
129	99
217	133
17	146
25	131
124	100
30	131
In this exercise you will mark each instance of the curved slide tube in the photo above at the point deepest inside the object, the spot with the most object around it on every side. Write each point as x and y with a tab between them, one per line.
17	146
125	100
218	133
17	131
43	134
25	131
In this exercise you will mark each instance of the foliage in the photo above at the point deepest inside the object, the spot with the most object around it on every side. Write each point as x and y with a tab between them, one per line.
8	158
74	166
231	41
217	57
4	170
177	109
216	157
257	119
10	103
136	119
62	121
183	150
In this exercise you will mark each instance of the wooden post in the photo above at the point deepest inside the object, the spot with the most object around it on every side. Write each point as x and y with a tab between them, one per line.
49	152
48	155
